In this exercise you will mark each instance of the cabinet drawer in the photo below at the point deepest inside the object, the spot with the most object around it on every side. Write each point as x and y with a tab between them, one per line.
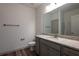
70	51
51	44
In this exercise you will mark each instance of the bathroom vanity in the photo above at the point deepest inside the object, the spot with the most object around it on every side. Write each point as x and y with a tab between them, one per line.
51	46
62	21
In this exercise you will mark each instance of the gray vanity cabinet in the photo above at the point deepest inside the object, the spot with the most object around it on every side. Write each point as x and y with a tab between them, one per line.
53	52
37	45
49	48
66	51
46	50
43	49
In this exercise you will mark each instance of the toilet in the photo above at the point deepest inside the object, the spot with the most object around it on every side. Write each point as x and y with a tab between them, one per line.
31	45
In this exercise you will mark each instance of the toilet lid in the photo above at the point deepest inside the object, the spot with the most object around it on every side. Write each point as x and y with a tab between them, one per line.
31	43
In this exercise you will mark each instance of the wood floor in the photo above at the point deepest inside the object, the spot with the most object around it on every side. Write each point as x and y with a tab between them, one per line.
22	52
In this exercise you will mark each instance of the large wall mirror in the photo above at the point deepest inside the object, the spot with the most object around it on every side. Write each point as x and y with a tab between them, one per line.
63	20
70	19
51	22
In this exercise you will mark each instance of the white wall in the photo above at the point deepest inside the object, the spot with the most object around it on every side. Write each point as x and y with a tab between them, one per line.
10	36
39	19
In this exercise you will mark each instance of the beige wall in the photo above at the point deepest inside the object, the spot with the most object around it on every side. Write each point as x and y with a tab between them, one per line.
10	37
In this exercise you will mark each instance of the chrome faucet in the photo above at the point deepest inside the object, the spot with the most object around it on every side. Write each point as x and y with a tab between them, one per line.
55	35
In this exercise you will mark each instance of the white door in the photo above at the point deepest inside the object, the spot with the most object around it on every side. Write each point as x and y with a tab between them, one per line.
75	25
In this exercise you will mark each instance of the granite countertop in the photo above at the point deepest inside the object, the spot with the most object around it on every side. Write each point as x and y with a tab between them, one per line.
60	40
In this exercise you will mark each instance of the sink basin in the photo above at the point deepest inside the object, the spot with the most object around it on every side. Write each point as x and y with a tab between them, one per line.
53	38
47	36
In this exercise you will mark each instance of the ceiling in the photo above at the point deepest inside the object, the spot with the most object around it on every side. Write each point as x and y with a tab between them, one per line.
34	5
70	6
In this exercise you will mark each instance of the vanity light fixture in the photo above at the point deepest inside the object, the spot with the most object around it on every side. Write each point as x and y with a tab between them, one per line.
53	6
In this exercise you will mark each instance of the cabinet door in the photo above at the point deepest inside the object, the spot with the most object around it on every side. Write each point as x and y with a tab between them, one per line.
53	52
51	44
49	48
69	51
43	49
37	45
